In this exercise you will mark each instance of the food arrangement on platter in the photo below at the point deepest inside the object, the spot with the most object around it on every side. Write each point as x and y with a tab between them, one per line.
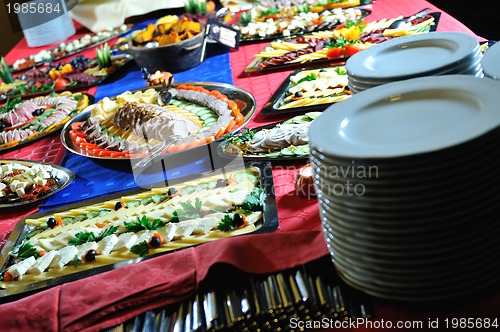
167	30
77	74
69	48
135	124
22	121
263	23
23	182
136	225
338	44
286	140
308	89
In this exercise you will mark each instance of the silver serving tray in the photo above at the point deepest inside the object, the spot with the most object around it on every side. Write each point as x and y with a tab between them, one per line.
63	175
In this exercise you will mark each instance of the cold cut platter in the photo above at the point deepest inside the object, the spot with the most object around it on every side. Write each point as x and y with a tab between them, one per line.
308	90
261	24
23	121
78	74
318	48
23	182
284	141
69	243
67	49
135	124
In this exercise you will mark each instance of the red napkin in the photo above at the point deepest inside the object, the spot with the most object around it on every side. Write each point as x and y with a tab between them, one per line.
263	253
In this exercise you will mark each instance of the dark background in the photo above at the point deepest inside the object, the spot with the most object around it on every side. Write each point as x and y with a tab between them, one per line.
478	17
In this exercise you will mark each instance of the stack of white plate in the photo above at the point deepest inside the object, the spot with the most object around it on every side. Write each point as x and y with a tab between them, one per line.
491	62
409	186
435	53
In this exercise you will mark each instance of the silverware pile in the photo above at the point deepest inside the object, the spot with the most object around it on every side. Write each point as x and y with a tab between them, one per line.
237	301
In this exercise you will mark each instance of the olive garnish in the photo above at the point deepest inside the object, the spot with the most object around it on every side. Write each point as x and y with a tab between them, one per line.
154	242
38	111
238	219
51	222
119	205
322	70
3	125
220	183
298	94
172	191
90	255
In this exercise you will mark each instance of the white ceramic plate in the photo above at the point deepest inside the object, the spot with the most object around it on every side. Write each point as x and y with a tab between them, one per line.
491	61
415	55
420	115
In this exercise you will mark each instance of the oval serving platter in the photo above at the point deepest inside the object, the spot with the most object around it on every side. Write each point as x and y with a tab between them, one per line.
234	145
75	139
60	176
41	125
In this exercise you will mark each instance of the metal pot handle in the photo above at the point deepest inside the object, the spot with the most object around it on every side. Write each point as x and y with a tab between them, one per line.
192	47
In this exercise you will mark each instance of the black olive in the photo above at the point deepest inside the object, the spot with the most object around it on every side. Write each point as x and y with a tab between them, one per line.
220	183
154	242
38	111
171	191
322	70
2	125
298	94
238	219
51	222
118	206
90	255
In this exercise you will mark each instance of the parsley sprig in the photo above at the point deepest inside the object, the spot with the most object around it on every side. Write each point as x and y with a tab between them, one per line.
84	237
188	211
241	138
254	201
144	223
227	224
26	250
141	249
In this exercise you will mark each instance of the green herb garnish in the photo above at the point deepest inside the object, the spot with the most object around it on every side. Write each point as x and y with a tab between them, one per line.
26	250
10	105
141	249
310	77
254	201
188	211
84	237
144	223
227	224
5	72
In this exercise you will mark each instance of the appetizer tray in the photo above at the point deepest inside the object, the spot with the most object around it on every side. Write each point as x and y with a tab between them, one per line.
64	50
135	124
24	182
283	141
289	22
73	242
24	121
308	90
318	48
64	77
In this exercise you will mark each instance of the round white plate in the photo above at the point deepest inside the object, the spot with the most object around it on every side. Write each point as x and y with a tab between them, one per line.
413	55
491	61
419	115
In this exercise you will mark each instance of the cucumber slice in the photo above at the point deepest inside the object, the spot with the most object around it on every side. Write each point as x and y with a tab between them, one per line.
288	151
187	190
313	115
209	121
190	107
273	154
242	176
207	116
146	201
175	102
159	197
301	150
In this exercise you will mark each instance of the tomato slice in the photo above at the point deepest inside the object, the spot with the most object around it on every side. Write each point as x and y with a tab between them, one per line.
335	53
350	50
61	83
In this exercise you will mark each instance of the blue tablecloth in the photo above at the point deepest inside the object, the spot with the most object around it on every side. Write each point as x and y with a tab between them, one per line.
94	178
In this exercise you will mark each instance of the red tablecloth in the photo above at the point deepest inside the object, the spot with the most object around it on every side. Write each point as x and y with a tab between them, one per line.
82	304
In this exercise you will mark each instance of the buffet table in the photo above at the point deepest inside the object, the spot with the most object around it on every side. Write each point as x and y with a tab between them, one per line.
110	298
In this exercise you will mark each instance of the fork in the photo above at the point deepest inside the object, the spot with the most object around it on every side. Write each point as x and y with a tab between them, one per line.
165	144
